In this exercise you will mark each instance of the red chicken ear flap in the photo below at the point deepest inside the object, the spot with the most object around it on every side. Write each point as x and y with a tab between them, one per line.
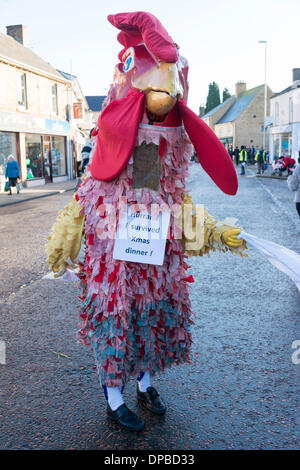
118	127
212	155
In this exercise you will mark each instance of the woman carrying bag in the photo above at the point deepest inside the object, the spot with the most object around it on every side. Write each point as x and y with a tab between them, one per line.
293	182
12	172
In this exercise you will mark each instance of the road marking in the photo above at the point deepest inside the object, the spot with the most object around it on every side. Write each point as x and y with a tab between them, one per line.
2	352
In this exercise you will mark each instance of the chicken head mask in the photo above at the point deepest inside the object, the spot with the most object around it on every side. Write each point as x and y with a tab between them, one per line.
151	85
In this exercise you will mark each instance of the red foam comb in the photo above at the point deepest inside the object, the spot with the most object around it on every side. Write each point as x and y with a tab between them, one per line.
144	27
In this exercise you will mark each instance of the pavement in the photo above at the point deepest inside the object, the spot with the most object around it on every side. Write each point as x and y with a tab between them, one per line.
36	192
241	390
268	172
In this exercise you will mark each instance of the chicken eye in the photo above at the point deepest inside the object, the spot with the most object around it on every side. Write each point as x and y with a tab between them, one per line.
128	64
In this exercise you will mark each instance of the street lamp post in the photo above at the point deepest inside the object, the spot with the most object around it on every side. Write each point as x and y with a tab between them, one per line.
265	93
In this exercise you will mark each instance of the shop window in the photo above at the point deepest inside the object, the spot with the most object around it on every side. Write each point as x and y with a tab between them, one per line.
34	164
8	146
22	90
58	156
276	146
54	98
285	144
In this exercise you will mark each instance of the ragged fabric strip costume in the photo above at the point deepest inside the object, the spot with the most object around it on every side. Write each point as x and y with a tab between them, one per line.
137	316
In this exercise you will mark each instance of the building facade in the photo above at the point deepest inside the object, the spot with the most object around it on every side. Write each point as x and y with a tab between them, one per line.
285	115
240	119
37	122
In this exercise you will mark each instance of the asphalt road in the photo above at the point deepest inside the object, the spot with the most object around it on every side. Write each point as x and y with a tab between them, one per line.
242	390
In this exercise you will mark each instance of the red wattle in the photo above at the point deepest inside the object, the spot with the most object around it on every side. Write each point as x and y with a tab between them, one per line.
118	127
212	154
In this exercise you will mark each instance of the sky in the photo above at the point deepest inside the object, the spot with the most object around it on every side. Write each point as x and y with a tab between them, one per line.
219	38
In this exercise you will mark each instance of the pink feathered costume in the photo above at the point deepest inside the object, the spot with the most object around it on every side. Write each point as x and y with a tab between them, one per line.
137	316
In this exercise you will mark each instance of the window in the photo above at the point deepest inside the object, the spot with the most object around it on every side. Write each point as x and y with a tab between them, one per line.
58	156
291	110
22	92
276	145
285	138
54	98
276	114
34	164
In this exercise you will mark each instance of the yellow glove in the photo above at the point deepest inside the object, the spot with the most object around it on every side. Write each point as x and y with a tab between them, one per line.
230	238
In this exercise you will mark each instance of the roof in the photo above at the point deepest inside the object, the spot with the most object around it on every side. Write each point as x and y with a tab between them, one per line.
12	50
95	102
295	85
289	88
68	76
217	108
241	103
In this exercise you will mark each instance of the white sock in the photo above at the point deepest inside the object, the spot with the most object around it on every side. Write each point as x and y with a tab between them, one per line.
114	397
145	381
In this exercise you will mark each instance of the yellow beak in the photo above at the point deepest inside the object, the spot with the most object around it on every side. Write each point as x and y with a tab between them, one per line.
161	86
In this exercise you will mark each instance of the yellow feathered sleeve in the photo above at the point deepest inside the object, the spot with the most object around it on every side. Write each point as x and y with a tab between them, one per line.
210	232
64	242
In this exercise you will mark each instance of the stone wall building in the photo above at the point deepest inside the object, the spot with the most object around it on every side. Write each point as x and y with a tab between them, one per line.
37	123
240	119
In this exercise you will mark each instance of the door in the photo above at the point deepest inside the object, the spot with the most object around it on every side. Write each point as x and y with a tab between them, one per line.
47	159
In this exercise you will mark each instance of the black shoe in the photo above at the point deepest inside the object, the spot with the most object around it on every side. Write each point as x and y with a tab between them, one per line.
150	400
126	418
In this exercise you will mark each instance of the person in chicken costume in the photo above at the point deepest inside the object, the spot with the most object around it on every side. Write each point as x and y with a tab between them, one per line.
137	316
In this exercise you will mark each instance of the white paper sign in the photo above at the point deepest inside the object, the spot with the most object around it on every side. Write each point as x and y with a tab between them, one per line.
141	238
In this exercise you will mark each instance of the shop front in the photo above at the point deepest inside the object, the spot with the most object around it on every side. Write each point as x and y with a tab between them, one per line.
45	157
282	145
39	145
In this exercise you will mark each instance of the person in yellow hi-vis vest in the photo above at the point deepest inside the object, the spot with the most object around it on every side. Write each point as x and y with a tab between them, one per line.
260	158
243	159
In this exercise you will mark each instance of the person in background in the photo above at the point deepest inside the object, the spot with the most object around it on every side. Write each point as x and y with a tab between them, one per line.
12	172
276	165
236	154
260	159
288	164
253	153
85	158
78	164
293	182
85	152
243	159
248	149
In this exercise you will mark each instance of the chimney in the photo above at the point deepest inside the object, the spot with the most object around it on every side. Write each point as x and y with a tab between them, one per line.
240	87
296	74
18	32
201	110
